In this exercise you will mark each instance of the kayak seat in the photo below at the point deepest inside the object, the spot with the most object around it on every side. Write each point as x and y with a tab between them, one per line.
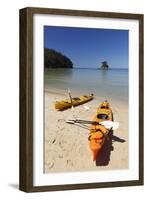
102	116
106	107
76	99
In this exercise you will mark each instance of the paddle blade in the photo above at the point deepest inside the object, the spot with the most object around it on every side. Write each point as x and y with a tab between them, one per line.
110	124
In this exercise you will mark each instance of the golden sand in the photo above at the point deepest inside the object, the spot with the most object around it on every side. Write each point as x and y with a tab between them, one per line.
66	145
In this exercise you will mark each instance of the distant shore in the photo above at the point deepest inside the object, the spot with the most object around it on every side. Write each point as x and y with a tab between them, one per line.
66	146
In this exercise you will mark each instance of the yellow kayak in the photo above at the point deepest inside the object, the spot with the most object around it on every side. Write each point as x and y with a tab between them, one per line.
68	103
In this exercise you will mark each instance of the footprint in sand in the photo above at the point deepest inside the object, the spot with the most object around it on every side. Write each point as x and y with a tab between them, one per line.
69	163
50	163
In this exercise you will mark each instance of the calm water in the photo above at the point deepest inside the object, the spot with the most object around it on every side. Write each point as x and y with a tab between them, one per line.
109	84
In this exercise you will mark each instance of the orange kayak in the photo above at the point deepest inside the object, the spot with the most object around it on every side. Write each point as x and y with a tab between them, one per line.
98	132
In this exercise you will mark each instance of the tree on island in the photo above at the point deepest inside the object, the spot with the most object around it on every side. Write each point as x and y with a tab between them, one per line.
104	65
54	59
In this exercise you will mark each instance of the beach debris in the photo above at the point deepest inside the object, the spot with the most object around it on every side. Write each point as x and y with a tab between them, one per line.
53	141
86	107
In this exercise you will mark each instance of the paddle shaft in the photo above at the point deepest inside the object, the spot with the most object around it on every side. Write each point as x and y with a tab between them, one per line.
70	97
85	122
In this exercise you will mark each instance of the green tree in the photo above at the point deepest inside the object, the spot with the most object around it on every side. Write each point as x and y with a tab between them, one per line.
54	59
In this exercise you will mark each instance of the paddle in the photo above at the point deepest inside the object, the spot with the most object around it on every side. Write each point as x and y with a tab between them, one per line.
107	124
70	97
81	122
110	125
77	124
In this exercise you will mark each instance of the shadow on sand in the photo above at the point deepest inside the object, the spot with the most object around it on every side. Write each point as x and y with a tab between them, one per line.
104	156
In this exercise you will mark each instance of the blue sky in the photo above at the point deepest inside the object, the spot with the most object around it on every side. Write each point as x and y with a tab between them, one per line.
88	47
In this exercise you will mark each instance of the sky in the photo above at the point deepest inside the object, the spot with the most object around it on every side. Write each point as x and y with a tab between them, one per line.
88	47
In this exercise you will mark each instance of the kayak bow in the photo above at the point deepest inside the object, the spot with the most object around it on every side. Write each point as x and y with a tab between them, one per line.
99	132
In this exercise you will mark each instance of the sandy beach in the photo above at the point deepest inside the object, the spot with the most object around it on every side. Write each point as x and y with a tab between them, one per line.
66	146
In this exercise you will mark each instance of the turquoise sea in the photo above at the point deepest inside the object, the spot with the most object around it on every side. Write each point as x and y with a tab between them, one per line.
108	84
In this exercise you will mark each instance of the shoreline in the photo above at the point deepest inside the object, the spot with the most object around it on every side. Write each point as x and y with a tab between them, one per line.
60	93
66	146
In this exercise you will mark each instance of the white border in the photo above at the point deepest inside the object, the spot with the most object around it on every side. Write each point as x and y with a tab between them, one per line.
132	173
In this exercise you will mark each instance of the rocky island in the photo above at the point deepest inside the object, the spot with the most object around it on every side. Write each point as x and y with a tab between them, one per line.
104	65
54	59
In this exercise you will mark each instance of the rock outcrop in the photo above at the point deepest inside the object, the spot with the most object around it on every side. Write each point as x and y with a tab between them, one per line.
54	59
